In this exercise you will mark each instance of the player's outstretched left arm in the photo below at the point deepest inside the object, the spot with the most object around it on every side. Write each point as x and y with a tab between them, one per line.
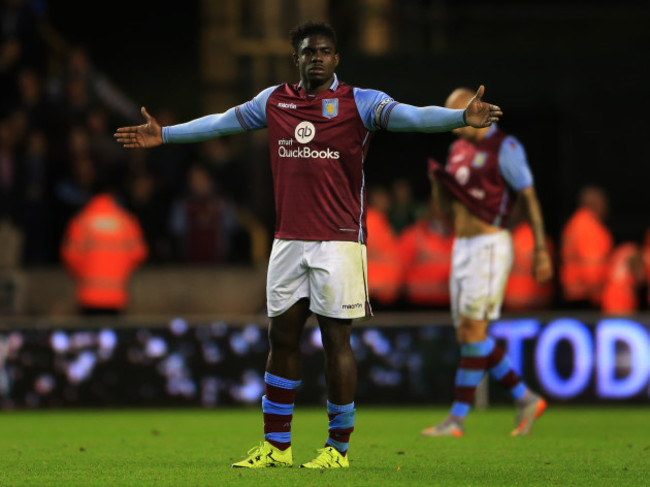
401	117
479	113
140	136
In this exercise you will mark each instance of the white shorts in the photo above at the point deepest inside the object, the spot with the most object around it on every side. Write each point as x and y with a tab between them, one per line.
479	272
331	274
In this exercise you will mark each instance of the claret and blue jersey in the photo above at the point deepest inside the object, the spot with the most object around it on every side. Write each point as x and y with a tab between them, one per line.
486	175
318	145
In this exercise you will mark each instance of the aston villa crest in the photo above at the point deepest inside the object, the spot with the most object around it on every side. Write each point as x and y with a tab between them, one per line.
331	108
479	159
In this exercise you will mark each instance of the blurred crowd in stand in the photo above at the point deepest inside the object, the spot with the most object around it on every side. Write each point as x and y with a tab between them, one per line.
409	258
57	117
190	204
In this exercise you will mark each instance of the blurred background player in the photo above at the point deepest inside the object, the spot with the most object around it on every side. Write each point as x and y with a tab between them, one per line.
586	246
318	261
485	171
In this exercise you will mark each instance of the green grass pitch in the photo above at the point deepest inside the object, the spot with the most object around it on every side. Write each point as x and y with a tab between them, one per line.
569	446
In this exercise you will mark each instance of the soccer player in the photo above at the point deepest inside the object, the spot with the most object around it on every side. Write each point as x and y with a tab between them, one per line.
318	132
485	172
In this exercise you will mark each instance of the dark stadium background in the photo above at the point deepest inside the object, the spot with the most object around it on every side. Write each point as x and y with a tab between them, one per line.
570	76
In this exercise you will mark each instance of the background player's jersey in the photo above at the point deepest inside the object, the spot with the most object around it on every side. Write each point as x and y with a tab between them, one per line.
486	176
318	145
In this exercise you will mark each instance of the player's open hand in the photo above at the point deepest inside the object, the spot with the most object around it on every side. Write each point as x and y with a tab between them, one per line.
542	267
478	113
140	136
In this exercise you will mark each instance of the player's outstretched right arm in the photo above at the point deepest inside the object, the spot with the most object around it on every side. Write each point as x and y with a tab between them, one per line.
140	136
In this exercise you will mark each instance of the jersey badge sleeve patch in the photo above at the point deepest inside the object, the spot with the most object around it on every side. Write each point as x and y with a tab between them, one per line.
330	107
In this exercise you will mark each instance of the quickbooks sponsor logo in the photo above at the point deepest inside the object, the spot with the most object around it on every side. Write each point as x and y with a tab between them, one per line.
305	132
307	153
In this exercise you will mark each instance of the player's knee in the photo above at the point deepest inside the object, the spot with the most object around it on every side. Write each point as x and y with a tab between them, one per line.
335	337
471	331
283	340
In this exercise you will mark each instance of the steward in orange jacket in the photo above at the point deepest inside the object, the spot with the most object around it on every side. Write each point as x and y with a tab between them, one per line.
522	291
384	269
625	276
425	250
102	246
585	250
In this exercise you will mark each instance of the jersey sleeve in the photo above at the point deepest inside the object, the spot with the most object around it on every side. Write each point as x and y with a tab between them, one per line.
409	118
374	107
247	116
513	164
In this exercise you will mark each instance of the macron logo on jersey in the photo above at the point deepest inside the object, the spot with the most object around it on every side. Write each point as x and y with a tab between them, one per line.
292	106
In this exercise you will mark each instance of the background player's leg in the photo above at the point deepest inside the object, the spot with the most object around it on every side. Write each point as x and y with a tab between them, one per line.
475	348
530	406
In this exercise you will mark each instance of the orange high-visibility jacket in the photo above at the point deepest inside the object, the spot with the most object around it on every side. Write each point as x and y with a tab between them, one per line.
384	270
586	247
103	245
619	293
522	291
426	258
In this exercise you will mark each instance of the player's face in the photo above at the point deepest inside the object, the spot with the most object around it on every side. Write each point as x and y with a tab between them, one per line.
316	60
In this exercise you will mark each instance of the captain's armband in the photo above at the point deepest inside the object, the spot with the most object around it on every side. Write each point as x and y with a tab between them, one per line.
378	111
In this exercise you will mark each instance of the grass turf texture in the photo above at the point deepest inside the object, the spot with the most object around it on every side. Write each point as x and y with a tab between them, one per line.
569	446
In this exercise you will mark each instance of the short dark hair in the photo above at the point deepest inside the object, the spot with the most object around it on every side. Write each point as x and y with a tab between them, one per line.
310	28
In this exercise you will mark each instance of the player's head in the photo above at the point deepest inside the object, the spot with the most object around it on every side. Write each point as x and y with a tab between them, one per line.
308	29
315	53
458	99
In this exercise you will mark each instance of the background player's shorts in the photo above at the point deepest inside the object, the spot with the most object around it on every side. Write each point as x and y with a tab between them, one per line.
331	274
479	272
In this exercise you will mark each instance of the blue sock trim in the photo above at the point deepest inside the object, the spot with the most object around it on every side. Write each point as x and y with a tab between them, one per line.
500	370
281	382
335	408
518	391
344	415
342	420
337	445
271	407
460	409
477	349
278	437
469	378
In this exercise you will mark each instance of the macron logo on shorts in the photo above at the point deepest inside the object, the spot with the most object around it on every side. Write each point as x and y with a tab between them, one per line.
352	306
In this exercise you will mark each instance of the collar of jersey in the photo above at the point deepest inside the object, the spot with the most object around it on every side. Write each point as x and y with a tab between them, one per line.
333	87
